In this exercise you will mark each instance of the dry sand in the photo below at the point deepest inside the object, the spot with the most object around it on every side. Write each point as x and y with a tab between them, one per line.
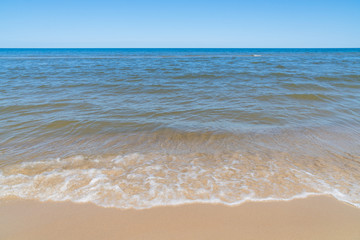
311	218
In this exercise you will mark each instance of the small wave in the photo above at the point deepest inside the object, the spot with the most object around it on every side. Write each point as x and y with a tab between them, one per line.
280	66
297	96
29	107
147	180
324	78
195	76
304	86
280	74
311	97
354	77
260	62
346	85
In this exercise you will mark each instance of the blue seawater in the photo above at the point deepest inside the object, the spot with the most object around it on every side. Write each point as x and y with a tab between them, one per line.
145	127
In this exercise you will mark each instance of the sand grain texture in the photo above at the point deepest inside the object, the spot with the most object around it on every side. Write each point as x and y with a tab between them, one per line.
311	218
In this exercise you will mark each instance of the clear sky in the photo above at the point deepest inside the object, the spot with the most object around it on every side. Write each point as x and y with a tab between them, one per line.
185	23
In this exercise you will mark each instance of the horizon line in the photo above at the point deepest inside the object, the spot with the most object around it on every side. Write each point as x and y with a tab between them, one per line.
179	47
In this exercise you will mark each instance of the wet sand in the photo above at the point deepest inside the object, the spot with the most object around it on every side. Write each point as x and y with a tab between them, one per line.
311	218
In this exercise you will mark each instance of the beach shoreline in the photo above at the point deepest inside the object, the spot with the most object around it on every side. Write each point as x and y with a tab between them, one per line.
315	217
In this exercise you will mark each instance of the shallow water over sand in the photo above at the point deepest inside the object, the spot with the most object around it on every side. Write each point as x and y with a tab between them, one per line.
145	127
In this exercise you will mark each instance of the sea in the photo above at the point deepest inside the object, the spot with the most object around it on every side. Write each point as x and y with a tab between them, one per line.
138	128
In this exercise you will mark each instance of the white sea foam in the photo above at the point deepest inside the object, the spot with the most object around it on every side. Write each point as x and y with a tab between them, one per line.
143	181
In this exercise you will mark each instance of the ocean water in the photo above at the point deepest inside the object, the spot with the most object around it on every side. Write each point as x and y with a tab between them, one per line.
136	128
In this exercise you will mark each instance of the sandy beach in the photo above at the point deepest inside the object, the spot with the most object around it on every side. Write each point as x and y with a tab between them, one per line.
199	139
318	217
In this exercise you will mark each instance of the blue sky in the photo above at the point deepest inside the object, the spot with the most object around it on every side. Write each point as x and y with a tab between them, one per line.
196	23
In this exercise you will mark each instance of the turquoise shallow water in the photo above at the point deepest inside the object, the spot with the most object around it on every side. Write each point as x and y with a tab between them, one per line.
166	126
